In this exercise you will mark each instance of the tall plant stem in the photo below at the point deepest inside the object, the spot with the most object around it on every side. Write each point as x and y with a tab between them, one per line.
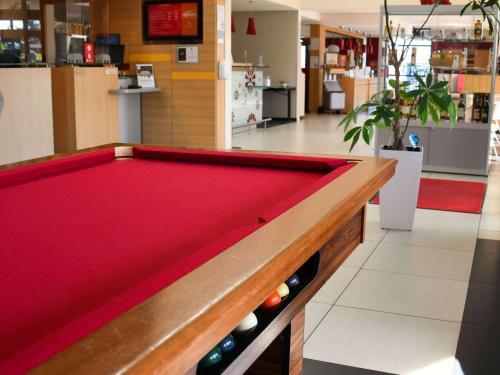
396	128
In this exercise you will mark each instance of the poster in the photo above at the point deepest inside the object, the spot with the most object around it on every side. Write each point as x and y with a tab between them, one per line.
145	76
176	19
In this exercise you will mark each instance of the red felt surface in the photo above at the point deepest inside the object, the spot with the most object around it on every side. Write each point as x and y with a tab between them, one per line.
242	159
296	198
449	195
81	247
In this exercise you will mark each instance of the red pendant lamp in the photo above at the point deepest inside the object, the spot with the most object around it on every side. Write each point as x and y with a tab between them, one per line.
251	26
251	23
233	28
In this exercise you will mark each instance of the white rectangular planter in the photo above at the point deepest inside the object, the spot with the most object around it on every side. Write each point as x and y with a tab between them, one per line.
398	197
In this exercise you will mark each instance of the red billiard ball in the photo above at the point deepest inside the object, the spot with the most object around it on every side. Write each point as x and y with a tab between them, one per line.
272	301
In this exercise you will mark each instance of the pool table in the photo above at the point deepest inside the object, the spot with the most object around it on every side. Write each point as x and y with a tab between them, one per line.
140	259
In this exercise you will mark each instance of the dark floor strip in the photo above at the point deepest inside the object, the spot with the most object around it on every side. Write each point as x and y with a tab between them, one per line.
313	367
478	350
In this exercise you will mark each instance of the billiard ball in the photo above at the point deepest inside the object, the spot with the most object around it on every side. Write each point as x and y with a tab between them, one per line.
247	324
293	281
213	357
283	290
227	344
272	301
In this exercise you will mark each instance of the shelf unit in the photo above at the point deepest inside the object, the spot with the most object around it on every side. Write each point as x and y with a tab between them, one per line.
465	148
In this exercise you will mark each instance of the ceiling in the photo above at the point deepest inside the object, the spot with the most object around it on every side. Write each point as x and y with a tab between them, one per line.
261	5
363	6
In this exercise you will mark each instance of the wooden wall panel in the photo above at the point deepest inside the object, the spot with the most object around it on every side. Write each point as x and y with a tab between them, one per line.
189	112
85	113
96	110
318	32
193	107
63	109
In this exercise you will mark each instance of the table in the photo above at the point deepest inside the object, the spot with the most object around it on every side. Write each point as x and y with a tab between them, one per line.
141	259
130	113
284	91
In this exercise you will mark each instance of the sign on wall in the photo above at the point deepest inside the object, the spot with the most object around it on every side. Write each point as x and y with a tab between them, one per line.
187	54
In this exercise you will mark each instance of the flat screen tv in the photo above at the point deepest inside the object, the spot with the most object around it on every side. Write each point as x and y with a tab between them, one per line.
173	21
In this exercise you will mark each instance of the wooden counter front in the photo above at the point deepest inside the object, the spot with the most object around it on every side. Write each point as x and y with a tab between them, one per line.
480	83
25	114
85	113
357	91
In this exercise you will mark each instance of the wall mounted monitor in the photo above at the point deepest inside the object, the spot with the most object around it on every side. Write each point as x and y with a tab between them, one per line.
173	21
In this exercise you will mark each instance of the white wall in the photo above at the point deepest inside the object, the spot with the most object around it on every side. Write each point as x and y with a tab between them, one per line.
277	39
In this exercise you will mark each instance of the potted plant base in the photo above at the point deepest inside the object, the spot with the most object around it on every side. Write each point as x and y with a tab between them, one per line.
398	197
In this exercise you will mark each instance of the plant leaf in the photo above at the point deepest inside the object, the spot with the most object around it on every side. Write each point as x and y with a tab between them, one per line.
439	85
355	140
428	81
436	117
351	133
452	113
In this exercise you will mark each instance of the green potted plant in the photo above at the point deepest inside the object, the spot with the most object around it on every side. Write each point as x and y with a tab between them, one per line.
428	99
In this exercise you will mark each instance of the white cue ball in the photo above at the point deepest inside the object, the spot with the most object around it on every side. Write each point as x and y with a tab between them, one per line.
247	324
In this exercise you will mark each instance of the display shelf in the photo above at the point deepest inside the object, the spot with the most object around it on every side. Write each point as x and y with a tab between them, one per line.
434	39
465	147
459	70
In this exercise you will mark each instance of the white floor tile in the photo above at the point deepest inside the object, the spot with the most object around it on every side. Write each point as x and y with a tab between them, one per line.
421	261
489	235
405	294
384	342
451	238
490	221
334	287
373	230
361	254
315	312
313	134
446	219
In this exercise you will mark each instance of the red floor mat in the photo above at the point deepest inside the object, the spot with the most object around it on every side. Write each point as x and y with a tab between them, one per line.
450	195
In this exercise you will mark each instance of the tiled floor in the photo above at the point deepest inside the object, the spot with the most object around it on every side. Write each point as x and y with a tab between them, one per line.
397	304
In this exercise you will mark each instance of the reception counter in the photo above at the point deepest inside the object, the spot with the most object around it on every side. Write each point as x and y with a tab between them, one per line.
357	91
85	113
25	114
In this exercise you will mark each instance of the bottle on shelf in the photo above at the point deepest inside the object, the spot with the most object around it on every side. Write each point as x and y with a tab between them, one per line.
485	110
461	109
463	58
436	58
478	30
413	56
477	110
